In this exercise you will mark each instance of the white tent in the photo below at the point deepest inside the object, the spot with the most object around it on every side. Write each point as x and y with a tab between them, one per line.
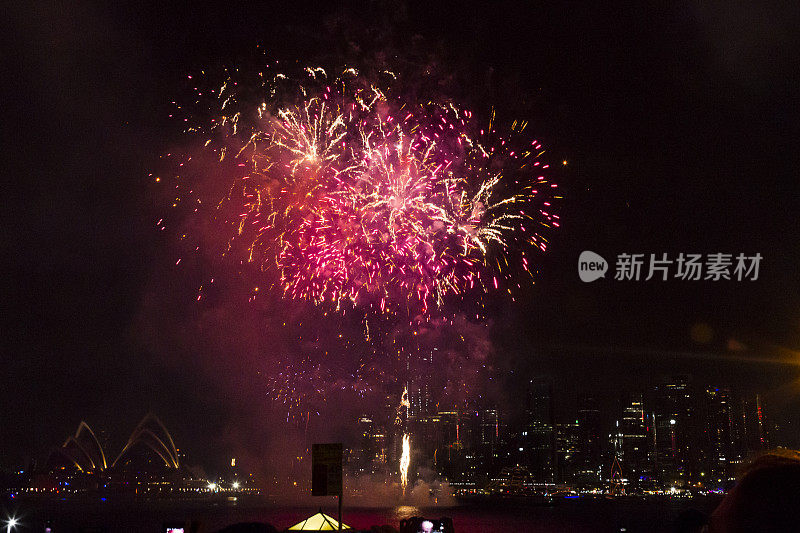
318	522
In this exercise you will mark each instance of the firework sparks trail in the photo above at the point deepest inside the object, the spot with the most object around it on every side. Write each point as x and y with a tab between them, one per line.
405	458
352	195
404	404
405	461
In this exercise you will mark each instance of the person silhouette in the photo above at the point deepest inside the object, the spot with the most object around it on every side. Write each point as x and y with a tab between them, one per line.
765	500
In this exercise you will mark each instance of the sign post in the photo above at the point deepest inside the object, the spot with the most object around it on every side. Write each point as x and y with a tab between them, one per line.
326	472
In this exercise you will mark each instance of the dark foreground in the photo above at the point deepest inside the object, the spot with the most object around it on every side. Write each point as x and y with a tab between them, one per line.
579	515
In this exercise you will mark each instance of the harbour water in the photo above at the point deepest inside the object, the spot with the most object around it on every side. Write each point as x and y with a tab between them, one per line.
569	515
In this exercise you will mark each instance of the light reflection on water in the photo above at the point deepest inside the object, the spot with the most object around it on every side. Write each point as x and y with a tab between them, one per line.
401	512
574	516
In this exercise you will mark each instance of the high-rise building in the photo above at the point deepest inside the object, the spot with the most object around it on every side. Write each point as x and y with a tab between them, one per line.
754	435
489	443
589	451
567	437
720	431
537	439
421	388
438	436
633	439
676	436
372	453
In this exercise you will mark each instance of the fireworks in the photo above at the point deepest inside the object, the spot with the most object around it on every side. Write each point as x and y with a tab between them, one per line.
350	193
346	194
405	461
405	457
304	386
404	404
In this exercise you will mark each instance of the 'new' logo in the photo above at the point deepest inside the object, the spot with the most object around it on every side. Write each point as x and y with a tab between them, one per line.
591	266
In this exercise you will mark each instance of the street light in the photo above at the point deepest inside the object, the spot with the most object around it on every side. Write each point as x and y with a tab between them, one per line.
11	523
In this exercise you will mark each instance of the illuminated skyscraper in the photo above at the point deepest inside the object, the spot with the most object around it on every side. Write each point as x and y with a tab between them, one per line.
719	432
589	452
537	442
489	445
754	437
677	432
421	387
437	436
567	439
371	455
633	443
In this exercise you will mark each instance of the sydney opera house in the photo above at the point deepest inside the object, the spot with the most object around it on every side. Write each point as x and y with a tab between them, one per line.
148	463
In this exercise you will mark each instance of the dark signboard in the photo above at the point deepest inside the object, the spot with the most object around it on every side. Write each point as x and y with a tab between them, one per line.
326	469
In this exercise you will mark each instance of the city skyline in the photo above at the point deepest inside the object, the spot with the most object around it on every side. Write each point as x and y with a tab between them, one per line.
681	438
678	435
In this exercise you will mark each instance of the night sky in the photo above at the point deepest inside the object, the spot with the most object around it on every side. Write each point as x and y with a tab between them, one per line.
678	122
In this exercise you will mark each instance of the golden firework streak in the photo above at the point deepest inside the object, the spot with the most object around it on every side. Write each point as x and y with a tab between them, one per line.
405	460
